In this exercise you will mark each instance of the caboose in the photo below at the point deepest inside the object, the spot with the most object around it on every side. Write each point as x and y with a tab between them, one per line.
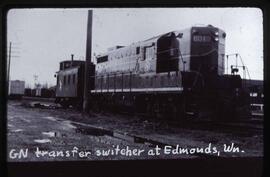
69	87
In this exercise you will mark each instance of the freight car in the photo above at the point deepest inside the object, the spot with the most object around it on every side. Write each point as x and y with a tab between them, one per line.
178	75
28	92
40	92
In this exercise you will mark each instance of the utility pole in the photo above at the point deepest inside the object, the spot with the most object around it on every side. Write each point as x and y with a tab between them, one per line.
87	62
9	58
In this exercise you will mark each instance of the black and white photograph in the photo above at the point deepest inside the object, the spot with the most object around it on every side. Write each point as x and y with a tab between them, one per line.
113	84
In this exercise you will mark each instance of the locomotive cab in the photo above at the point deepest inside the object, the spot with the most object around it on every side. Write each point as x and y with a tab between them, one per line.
207	50
168	52
207	53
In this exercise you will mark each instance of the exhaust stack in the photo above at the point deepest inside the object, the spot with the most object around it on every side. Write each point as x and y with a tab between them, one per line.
72	55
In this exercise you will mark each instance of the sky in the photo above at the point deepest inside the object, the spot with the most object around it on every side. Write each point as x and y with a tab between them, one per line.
41	38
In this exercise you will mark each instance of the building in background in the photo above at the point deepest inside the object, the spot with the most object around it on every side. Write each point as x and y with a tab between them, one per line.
16	89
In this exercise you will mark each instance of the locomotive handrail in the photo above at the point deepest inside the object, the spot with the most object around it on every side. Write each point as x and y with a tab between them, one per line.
188	55
183	62
198	74
204	54
164	51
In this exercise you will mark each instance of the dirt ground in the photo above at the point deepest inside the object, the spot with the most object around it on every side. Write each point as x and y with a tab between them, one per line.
58	129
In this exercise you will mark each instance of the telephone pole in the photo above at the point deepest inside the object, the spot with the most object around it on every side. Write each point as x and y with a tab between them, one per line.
88	62
9	58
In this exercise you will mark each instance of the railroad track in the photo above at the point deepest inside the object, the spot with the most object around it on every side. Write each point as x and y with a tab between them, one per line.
245	128
38	99
93	130
241	129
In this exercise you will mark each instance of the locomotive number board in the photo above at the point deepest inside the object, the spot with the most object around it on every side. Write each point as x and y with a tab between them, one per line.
201	38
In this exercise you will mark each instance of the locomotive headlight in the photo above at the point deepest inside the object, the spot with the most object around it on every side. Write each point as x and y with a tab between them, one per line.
216	33
216	38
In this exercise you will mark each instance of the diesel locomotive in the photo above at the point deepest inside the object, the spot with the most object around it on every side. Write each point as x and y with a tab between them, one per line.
178	75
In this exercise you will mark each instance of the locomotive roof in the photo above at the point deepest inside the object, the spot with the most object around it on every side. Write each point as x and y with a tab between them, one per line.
155	38
67	69
177	32
72	61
